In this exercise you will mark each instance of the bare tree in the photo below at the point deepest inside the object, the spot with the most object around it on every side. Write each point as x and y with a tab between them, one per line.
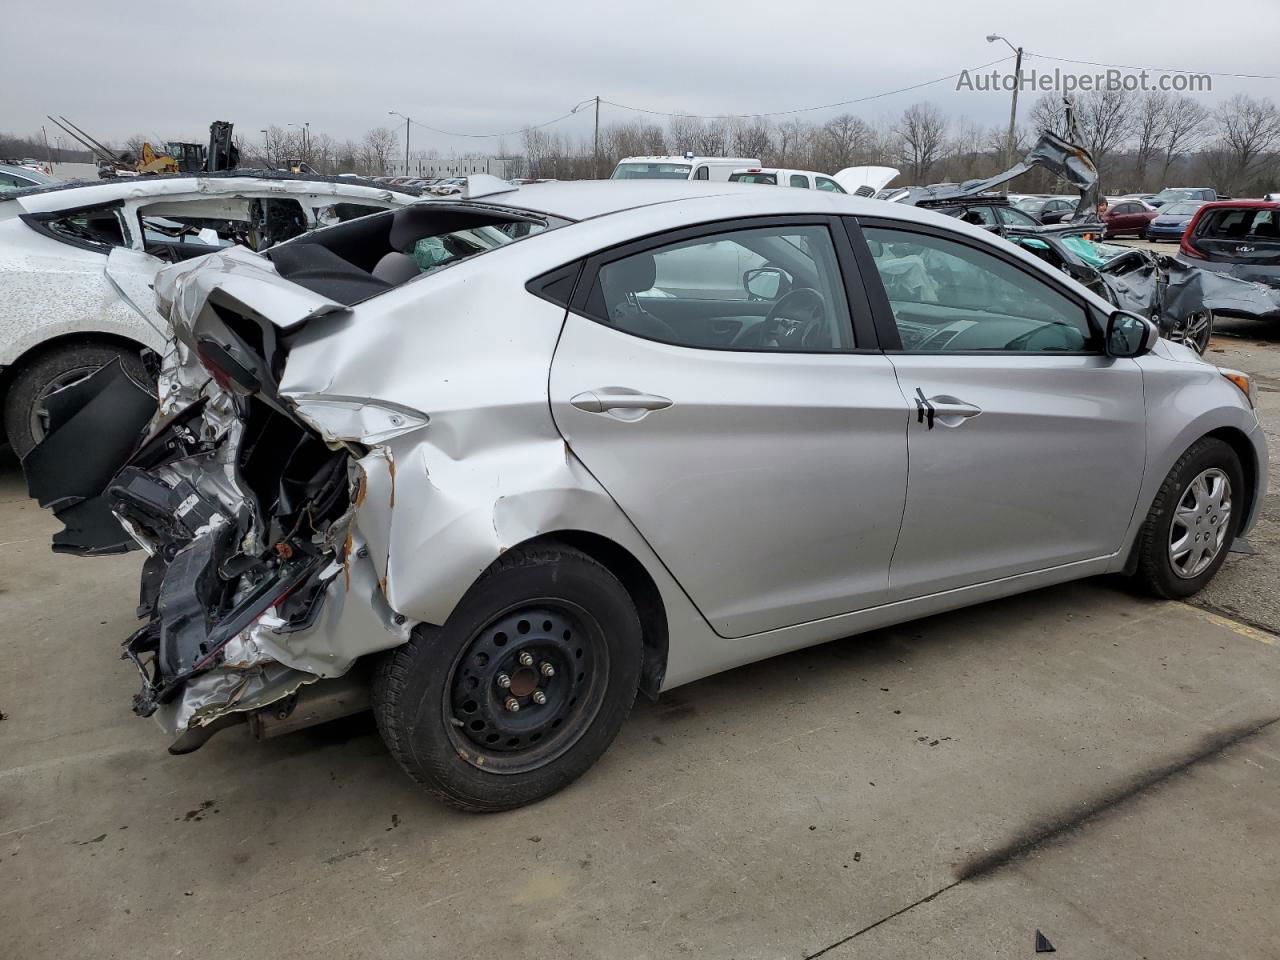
1248	129
1106	120
378	149
844	140
1187	126
753	138
1150	128
922	132
1048	113
711	139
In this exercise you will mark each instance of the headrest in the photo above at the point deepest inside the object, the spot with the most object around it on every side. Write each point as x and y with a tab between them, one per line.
632	275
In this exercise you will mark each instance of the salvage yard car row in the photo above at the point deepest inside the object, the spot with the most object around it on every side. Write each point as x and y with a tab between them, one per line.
499	456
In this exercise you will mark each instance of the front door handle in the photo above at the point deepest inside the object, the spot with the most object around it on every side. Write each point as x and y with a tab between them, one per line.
619	399
948	410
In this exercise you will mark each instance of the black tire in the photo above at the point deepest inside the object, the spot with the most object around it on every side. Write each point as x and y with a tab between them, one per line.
1156	572
57	366
415	690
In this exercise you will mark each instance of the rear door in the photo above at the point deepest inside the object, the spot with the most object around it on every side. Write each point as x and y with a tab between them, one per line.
767	471
1027	443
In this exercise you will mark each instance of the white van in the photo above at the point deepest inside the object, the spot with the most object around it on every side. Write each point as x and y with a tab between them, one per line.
786	177
687	167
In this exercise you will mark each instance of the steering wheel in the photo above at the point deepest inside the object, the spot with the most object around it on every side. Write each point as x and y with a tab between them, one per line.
797	320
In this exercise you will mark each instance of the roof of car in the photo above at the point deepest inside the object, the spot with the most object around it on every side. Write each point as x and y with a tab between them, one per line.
35	176
87	192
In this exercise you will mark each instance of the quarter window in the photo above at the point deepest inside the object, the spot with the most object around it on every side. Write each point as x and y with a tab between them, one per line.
762	289
949	296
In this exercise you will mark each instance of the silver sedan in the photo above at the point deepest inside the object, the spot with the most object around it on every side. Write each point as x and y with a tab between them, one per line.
504	460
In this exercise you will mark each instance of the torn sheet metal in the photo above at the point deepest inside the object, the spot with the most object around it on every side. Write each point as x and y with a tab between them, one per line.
1066	160
1174	294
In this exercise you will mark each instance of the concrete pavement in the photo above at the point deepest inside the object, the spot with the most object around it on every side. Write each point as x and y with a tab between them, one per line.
1077	760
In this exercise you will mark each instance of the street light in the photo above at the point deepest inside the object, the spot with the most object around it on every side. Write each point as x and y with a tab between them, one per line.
393	113
1013	109
266	146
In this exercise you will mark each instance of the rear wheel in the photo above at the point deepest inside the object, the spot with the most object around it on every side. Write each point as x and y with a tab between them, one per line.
1192	521
25	416
521	690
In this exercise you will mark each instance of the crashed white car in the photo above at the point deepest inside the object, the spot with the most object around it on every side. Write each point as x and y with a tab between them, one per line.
77	263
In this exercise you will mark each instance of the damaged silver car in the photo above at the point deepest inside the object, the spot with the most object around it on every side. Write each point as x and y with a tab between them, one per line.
501	461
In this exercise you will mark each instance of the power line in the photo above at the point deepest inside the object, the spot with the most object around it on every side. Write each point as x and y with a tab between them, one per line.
723	116
824	106
489	136
1129	66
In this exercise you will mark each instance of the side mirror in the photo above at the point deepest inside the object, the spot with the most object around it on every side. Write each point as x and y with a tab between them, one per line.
763	283
1130	335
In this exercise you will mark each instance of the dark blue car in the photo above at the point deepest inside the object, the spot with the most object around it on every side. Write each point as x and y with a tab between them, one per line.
1172	220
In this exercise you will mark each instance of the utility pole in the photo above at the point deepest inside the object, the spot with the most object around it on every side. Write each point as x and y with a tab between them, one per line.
306	141
595	154
47	152
1013	108
394	113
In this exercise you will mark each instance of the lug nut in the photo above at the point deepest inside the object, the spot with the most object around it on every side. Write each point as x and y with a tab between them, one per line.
512	704
526	659
546	669
539	697
504	681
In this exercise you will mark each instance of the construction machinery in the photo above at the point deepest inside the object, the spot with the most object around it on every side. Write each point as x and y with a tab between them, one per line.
178	156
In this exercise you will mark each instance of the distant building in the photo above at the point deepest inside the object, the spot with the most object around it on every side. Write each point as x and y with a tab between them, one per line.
503	167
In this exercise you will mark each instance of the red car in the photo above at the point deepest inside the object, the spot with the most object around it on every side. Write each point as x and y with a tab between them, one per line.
1127	215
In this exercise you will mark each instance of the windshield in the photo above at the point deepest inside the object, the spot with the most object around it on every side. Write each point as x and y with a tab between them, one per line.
1031	204
652	171
754	178
1184	208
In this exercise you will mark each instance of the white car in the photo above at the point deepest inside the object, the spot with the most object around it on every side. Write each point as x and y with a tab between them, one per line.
688	167
77	263
786	177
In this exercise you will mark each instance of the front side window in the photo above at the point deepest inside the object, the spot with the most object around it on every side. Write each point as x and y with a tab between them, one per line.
702	173
765	289
826	183
800	180
10	183
1011	217
949	296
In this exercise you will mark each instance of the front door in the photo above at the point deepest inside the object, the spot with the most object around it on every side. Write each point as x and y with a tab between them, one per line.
757	452
1027	444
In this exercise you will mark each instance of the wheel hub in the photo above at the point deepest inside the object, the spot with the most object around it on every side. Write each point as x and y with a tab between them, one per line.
1200	523
518	682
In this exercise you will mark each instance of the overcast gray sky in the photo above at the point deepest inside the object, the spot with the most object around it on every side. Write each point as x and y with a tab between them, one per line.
169	69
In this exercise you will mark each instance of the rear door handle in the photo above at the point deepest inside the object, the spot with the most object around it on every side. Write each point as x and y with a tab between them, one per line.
622	399
951	411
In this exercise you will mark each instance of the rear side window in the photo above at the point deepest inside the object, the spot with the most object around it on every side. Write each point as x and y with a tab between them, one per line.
94	228
800	180
767	289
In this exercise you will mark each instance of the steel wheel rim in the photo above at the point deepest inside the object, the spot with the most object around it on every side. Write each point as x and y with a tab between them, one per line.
491	737
1200	523
38	419
1195	331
